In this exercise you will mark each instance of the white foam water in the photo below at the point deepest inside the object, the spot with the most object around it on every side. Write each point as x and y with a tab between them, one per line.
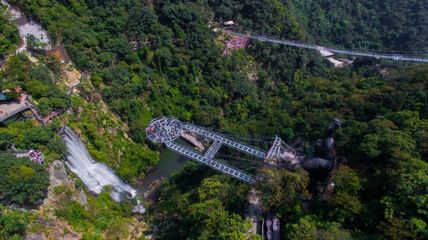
93	174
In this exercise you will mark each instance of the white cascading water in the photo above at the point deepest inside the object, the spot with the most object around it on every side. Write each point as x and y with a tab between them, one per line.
94	175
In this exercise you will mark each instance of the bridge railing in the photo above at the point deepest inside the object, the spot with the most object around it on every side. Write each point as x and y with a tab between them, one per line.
226	141
394	57
231	171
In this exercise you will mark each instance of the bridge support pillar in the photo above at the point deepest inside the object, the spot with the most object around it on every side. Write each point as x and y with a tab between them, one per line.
282	154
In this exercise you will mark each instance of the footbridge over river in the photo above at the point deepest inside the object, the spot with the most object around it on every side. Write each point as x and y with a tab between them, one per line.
166	130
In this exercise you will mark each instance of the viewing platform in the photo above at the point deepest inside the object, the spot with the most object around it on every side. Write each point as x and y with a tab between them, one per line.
10	108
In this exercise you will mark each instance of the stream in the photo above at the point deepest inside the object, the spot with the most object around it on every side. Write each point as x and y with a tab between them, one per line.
170	162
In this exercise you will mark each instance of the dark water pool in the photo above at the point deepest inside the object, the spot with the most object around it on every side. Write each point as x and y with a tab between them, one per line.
170	162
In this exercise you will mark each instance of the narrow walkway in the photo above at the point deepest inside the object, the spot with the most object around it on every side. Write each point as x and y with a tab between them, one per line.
394	57
231	171
226	141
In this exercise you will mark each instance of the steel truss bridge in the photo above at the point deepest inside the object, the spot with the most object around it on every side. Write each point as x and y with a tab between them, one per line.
166	130
394	57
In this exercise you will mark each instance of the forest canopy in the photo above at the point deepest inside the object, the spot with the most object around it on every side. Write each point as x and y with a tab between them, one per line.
9	37
152	58
22	182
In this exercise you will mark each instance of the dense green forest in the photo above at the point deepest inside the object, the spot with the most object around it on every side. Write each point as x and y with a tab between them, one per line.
153	58
36	80
399	26
391	25
22	181
9	37
12	223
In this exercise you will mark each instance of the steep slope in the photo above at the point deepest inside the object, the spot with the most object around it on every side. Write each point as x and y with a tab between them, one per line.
152	58
389	25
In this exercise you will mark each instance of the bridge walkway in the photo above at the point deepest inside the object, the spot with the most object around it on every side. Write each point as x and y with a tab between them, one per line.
394	57
226	141
231	171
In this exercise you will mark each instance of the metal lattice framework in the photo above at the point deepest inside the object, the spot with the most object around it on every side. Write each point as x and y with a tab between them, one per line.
167	129
280	152
226	141
234	172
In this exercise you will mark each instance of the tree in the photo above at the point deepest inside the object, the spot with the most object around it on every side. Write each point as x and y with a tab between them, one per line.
282	189
9	36
22	181
305	229
397	229
311	228
161	56
405	206
13	224
345	203
209	220
33	43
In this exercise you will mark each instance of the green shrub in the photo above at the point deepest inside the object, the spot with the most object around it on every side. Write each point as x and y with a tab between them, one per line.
22	182
13	224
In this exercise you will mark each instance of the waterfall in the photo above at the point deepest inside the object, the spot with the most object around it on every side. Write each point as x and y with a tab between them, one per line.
94	175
